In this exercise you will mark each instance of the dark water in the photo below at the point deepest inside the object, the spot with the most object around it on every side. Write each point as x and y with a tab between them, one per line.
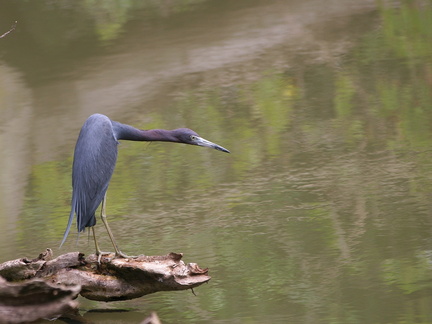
321	214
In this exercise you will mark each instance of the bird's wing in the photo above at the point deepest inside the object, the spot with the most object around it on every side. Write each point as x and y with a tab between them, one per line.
94	161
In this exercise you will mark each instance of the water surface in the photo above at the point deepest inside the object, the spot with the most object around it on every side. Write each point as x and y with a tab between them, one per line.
322	211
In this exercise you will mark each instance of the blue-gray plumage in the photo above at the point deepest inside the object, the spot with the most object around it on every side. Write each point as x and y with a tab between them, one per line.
94	162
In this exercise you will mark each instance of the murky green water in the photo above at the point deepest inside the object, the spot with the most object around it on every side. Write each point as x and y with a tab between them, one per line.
321	214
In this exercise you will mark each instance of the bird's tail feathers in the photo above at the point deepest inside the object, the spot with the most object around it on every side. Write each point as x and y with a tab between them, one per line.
71	217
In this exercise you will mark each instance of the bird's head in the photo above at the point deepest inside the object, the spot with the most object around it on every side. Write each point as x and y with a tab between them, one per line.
188	136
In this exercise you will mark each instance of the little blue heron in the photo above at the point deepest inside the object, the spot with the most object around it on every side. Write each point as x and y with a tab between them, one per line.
94	161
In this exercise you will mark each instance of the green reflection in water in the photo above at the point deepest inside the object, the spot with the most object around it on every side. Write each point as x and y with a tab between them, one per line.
322	212
110	17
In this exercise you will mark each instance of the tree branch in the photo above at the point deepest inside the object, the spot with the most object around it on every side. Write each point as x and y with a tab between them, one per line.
71	274
10	30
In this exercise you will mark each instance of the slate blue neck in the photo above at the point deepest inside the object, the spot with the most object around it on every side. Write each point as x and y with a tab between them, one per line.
126	132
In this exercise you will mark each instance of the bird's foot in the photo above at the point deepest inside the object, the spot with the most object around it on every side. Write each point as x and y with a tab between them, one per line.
100	254
120	254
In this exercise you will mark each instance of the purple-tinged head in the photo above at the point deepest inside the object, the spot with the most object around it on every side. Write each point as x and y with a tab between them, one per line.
188	136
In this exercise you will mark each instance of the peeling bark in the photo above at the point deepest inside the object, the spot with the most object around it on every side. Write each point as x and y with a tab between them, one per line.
54	283
35	299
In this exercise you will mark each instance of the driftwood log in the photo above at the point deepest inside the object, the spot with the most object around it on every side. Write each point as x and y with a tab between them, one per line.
46	288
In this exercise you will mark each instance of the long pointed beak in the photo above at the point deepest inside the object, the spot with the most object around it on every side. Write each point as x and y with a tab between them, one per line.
203	142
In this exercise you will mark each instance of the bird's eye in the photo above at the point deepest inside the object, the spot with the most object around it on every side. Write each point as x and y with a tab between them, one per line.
193	137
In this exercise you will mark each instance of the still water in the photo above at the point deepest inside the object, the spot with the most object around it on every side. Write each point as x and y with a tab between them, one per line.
321	214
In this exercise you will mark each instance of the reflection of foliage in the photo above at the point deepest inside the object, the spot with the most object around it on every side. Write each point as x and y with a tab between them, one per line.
67	22
400	95
109	16
330	206
50	184
407	30
406	274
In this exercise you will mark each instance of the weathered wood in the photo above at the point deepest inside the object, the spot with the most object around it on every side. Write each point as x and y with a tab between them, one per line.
21	269
72	273
35	299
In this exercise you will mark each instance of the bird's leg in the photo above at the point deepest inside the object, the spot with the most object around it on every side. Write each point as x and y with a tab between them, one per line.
105	221
99	252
